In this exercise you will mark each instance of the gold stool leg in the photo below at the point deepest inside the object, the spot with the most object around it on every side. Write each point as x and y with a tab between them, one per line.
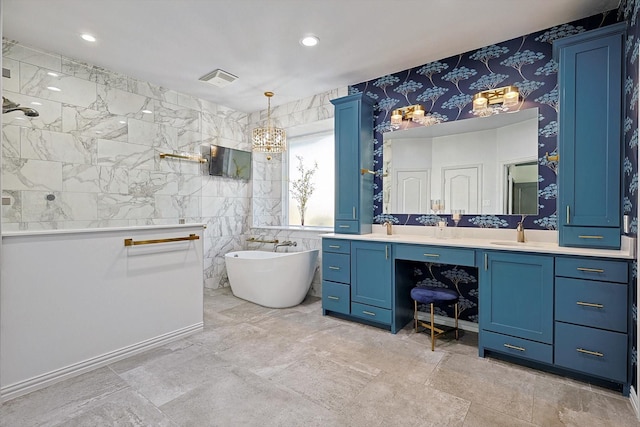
456	316
433	334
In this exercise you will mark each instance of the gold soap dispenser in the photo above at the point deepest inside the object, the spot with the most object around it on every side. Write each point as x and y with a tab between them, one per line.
520	232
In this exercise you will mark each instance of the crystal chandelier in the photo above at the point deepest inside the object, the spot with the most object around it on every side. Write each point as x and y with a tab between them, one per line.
269	139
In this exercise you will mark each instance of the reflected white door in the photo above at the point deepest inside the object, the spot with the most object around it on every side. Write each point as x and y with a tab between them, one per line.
461	188
412	191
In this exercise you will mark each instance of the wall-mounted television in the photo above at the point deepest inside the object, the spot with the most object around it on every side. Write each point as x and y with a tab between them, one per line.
227	162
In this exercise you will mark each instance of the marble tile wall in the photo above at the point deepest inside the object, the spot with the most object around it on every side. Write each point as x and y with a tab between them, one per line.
94	150
267	177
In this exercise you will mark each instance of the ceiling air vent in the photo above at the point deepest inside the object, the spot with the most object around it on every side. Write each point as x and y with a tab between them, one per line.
219	78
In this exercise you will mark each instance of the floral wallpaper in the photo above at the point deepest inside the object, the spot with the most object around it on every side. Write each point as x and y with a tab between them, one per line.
629	11
446	87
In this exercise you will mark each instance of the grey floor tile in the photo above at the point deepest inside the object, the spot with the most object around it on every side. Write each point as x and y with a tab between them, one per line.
503	388
256	366
123	408
48	406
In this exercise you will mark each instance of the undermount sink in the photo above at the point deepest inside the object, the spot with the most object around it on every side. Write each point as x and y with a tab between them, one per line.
518	244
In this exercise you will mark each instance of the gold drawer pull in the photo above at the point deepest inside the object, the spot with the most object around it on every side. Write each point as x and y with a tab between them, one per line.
592	353
334	246
333	298
344	226
370	313
513	347
589	304
431	255
590	270
591	237
331	267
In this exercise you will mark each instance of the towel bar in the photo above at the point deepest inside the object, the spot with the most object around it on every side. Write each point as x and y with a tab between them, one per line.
131	242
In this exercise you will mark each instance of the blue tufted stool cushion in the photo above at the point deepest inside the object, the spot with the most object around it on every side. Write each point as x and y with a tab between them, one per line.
430	294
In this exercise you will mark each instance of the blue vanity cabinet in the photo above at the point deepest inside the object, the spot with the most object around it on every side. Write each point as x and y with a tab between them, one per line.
590	137
353	153
516	304
371	281
336	276
591	317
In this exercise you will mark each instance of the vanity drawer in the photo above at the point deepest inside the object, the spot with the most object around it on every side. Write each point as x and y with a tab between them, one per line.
335	297
517	347
591	237
336	245
589	303
592	351
435	254
369	312
346	226
336	267
592	269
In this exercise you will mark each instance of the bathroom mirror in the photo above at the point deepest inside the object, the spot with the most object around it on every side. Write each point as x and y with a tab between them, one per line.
483	165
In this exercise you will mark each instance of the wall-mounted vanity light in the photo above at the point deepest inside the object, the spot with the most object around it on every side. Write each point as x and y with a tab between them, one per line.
414	113
485	102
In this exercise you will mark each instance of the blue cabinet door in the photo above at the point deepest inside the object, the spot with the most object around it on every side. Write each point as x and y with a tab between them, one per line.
589	137
354	152
371	274
516	295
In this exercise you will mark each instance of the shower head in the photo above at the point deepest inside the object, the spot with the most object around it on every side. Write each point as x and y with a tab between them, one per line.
9	106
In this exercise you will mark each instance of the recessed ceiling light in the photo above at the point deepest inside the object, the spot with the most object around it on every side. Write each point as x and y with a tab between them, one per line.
88	37
147	111
36	103
53	88
122	122
52	74
309	41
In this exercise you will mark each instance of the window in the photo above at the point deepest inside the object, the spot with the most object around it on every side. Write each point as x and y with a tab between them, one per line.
317	148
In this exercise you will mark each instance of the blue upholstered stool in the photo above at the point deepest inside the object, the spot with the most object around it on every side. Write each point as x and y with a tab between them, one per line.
434	297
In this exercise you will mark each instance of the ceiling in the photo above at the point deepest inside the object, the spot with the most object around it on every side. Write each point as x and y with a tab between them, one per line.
172	43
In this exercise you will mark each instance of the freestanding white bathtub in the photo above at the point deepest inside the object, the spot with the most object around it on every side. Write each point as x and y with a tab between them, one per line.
271	279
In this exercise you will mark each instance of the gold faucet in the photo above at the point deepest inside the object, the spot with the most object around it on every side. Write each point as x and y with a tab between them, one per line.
389	227
520	233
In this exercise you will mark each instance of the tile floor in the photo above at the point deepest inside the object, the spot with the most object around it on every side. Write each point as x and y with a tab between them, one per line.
253	366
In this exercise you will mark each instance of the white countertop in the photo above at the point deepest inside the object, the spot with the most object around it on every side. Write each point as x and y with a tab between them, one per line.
99	230
536	241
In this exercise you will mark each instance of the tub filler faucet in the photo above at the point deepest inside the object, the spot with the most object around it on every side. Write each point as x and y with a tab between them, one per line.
285	243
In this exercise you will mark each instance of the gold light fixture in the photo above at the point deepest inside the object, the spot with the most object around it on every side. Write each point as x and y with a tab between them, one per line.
269	139
506	96
415	113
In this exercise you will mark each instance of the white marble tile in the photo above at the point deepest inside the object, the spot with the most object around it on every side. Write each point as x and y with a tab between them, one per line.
125	155
11	84
56	146
189	141
152	91
194	103
93	123
123	103
25	54
49	118
80	178
153	134
66	206
176	206
120	206
35	81
150	183
10	141
189	185
13	211
93	73
25	174
177	116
